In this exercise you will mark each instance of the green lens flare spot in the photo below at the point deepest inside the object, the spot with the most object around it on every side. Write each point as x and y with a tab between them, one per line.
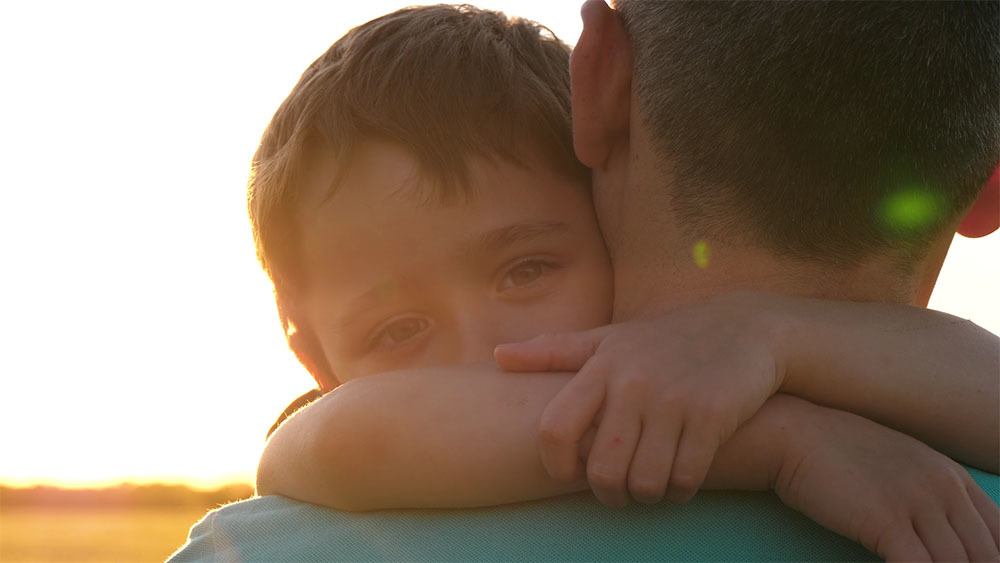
701	254
911	209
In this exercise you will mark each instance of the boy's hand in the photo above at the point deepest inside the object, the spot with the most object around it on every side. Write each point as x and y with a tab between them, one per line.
891	493
666	392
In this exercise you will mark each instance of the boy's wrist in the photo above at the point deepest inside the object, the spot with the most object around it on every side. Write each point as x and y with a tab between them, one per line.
792	421
784	417
753	459
787	329
777	326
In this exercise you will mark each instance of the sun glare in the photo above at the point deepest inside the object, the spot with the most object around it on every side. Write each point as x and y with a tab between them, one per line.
138	336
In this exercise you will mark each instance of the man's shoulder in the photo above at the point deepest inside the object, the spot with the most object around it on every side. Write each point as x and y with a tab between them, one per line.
745	526
714	526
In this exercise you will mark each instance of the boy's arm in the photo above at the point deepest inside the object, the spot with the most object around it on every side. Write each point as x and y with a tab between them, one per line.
922	372
458	436
467	436
881	488
925	373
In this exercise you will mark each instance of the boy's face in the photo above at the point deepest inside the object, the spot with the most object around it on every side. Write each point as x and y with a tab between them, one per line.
397	279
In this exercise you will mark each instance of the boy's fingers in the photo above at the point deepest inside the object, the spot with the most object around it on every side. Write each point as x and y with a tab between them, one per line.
695	451
989	511
902	544
565	421
614	446
972	531
650	470
550	352
941	540
587	443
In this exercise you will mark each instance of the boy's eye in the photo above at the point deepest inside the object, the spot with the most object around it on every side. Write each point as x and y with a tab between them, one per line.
524	273
399	331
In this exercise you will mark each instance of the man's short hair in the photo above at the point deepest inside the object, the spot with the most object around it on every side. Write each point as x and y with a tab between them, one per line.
829	131
444	82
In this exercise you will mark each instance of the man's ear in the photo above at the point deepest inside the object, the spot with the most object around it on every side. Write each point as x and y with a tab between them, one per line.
601	83
984	216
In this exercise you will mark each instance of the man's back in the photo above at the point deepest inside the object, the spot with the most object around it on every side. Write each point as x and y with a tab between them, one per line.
714	526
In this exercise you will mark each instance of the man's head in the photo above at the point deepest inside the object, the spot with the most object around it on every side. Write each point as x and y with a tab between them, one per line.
823	133
418	187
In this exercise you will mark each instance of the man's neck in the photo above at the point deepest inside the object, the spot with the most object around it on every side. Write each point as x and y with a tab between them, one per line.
658	283
658	266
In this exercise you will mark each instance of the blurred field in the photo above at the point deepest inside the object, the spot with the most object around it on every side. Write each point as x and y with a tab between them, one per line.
31	534
129	523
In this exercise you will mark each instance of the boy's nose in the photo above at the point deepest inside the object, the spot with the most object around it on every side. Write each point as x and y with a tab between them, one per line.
477	337
476	347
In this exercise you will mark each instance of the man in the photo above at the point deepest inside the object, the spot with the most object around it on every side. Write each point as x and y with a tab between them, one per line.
670	155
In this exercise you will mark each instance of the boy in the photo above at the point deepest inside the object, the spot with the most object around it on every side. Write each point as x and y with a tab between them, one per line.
415	230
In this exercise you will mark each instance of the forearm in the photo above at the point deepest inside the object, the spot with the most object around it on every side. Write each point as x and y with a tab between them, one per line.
459	437
925	373
450	437
751	459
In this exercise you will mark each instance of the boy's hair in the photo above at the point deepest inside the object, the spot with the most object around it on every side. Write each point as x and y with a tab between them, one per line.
444	82
829	131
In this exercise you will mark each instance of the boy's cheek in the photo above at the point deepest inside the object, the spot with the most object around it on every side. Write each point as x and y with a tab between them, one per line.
580	306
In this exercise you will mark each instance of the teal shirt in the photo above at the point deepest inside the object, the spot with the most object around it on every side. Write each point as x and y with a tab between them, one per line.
720	526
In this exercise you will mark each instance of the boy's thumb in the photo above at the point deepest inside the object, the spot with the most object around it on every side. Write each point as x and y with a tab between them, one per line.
549	352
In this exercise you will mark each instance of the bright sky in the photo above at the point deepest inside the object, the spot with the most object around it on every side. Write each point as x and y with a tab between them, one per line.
138	338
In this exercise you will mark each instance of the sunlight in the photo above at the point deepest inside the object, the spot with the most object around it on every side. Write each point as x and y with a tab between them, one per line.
139	335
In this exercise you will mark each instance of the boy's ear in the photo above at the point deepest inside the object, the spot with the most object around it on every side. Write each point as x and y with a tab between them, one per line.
601	83
984	216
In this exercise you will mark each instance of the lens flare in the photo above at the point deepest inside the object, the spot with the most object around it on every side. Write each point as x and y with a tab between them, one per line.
912	209
701	254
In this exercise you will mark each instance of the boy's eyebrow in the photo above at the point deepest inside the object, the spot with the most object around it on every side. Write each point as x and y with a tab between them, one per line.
497	239
488	242
366	301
